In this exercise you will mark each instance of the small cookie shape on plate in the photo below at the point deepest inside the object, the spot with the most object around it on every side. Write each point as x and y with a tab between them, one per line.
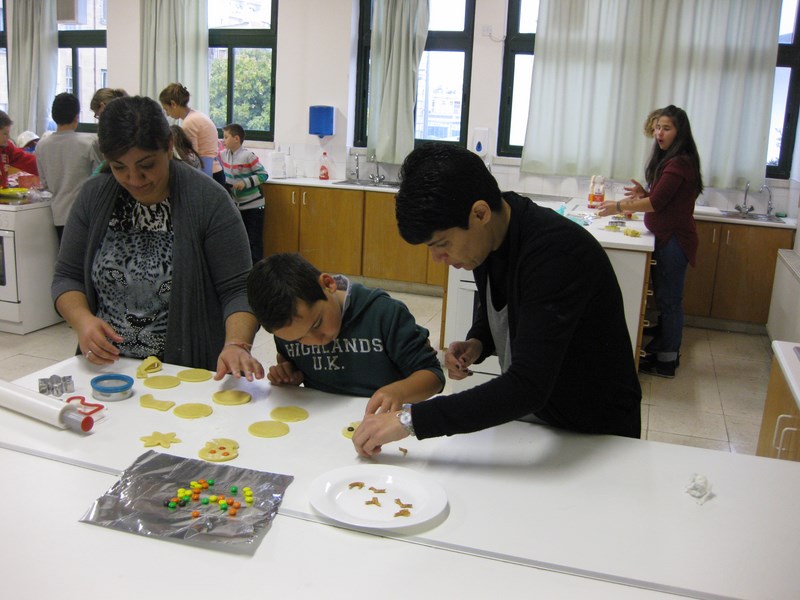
165	440
219	450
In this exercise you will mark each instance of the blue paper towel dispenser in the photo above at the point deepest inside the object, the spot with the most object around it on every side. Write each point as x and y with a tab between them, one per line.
321	120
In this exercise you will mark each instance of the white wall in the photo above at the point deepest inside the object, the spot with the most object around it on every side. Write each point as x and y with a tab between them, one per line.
316	57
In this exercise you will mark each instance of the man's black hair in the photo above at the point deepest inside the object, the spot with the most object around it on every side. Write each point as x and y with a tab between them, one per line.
439	183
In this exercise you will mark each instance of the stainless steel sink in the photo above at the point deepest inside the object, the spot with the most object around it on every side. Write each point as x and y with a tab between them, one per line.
764	218
368	183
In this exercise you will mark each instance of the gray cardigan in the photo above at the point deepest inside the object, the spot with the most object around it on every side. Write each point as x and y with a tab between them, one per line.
211	259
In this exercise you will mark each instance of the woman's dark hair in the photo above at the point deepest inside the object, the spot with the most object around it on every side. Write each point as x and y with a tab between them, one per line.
175	92
683	146
277	283
439	183
132	122
183	145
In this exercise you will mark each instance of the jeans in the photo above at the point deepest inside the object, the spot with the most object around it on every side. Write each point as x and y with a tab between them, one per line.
253	219
669	275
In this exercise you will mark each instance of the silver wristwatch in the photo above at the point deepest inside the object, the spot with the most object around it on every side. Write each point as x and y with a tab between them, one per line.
404	415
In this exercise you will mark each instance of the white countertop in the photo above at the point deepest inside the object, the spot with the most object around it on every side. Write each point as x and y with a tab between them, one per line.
711	213
599	506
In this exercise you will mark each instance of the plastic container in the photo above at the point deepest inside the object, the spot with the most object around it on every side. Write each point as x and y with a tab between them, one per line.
597	191
324	166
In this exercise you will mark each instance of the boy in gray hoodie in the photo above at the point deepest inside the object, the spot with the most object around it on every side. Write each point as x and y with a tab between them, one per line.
342	337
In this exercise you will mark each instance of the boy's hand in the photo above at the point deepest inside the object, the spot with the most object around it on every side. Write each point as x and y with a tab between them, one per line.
238	185
385	399
284	373
238	362
460	355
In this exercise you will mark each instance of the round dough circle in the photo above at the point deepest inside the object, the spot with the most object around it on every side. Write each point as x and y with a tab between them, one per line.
194	375
289	414
231	397
350	429
162	382
192	410
268	429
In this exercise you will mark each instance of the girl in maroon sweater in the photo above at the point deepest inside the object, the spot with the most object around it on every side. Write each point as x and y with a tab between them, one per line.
674	181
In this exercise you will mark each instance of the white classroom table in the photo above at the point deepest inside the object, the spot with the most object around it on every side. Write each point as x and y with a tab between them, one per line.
591	507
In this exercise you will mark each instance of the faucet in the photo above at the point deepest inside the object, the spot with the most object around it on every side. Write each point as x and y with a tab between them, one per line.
376	177
356	171
769	198
744	209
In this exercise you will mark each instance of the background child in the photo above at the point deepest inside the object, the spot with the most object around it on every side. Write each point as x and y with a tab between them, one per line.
244	173
340	337
182	148
10	155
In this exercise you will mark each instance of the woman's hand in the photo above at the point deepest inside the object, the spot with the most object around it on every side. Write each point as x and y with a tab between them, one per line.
460	355
635	191
236	359
607	208
96	340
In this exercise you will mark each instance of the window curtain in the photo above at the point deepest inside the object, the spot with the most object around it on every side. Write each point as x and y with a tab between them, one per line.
601	67
33	64
175	48
399	31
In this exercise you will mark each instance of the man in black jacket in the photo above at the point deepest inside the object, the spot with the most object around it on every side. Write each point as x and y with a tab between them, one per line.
550	307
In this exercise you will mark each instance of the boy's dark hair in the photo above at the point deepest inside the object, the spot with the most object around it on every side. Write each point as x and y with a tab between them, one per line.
132	122
234	129
277	283
65	108
5	120
439	183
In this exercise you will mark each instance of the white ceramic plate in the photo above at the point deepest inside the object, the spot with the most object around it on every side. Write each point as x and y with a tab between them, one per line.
332	496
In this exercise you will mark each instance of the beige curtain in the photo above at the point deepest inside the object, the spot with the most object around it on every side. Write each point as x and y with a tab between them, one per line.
601	67
33	64
175	48
399	31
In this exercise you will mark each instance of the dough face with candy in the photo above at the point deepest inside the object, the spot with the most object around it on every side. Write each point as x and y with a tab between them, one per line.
219	450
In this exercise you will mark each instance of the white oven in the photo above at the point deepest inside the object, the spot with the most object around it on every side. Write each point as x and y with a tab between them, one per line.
8	267
462	308
28	250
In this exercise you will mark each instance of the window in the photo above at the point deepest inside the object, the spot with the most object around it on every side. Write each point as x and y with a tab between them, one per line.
785	95
82	57
443	81
515	92
3	59
242	38
518	70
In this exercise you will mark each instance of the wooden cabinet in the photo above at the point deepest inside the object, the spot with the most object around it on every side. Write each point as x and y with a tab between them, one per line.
386	254
780	425
324	225
734	272
389	256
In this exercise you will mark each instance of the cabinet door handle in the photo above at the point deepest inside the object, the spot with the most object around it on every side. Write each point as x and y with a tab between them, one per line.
728	238
294	200
304	199
645	323
653	262
650	292
777	428
714	235
783	434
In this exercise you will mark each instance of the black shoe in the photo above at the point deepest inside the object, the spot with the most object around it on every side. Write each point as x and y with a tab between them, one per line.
651	357
660	368
652	330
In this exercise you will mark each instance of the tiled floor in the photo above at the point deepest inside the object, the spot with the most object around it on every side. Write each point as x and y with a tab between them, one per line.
715	401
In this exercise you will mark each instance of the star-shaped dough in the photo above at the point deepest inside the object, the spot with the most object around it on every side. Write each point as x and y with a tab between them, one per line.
165	440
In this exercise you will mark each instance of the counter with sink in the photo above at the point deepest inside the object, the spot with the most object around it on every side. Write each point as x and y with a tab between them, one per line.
712	213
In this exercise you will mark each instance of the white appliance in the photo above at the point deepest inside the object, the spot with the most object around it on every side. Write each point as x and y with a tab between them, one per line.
783	323
28	250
